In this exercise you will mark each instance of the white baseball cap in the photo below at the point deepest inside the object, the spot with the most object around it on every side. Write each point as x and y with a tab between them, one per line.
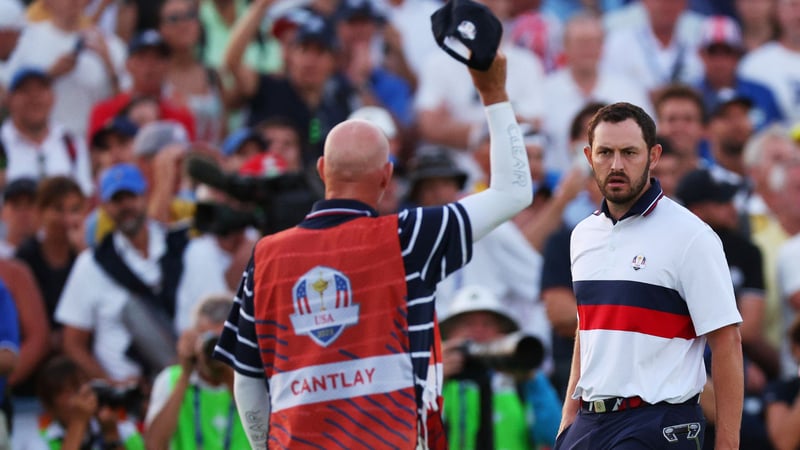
475	298
12	15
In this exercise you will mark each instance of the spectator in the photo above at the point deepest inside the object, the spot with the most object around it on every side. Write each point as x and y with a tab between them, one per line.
654	53
35	345
160	148
759	22
580	81
12	22
188	81
776	64
311	94
680	117
77	416
142	109
721	48
485	406
18	214
51	253
137	267
218	18
782	400
729	128
9	350
358	29
148	65
240	146
406	43
85	63
538	31
34	146
785	268
283	139
770	226
112	144
191	406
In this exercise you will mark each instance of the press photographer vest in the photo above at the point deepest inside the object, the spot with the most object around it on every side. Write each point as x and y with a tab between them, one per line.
332	332
215	411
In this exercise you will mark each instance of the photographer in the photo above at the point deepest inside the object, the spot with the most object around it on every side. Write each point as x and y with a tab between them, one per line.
191	406
491	398
80	415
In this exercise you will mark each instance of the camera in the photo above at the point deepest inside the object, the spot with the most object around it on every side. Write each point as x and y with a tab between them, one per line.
280	201
128	398
516	352
208	341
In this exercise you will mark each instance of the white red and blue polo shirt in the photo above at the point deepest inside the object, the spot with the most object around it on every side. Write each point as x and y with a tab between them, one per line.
648	286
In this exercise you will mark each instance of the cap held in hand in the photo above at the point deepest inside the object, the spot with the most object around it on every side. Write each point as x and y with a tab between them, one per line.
468	31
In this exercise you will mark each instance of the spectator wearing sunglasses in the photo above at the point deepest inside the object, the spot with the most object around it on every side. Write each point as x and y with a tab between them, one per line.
188	81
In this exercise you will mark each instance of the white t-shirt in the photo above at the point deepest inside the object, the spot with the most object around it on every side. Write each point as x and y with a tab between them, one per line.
93	301
204	266
408	17
504	262
778	68
42	44
635	54
564	99
444	80
53	157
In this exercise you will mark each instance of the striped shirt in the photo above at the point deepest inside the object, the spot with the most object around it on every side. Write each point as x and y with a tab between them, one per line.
434	242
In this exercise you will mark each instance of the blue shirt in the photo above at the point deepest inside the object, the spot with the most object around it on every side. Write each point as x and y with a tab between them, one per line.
9	328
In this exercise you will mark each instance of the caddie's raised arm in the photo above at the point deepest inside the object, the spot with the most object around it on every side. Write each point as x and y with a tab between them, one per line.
509	189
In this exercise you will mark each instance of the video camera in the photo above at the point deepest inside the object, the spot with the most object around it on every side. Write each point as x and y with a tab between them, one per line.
516	352
280	201
128	398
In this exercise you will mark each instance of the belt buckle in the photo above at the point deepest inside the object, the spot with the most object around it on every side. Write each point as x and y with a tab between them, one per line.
599	406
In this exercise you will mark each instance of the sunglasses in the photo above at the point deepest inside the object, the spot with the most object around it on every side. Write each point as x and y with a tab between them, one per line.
180	17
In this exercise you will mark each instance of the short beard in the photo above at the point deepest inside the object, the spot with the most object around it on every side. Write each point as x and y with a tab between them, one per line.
636	188
132	226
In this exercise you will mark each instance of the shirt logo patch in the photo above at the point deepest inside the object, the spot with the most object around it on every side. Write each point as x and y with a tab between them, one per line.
323	305
638	262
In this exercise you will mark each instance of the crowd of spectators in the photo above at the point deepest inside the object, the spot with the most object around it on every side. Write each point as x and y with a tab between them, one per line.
146	145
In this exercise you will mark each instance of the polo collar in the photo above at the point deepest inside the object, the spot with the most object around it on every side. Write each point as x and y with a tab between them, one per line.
327	213
643	207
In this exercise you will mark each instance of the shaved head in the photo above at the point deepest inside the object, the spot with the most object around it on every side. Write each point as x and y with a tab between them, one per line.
355	160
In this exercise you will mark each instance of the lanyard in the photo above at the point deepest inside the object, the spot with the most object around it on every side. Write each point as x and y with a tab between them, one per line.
198	425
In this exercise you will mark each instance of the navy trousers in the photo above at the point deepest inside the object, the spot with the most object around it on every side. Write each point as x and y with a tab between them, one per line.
661	426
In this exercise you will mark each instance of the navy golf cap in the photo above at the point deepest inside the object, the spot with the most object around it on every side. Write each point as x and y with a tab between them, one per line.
468	31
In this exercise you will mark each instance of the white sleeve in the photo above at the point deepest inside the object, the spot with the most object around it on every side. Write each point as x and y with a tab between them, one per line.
83	167
788	269
509	189
158	396
705	283
253	404
75	306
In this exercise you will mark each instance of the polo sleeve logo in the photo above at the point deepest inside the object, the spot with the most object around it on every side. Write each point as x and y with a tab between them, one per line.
323	305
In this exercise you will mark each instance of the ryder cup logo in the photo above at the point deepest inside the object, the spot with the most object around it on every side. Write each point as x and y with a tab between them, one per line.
323	305
467	30
638	262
